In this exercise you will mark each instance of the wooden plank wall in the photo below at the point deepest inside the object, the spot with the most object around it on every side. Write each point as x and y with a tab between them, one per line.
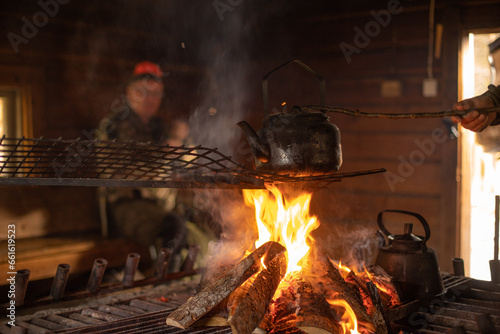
419	154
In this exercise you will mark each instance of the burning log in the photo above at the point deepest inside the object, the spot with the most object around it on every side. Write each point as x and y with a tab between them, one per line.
379	316
328	279
217	290
387	286
373	311
300	308
249	303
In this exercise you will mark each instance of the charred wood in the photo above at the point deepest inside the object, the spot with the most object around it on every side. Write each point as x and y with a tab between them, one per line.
301	309
374	311
330	283
379	316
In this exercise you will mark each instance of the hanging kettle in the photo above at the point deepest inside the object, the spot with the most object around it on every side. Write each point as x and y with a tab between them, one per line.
298	142
407	258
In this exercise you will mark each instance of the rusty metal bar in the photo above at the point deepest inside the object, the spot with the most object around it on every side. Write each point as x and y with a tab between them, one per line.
458	266
148	323
66	321
30	328
191	258
130	269
85	319
147	306
96	275
100	315
130	309
446	321
47	324
463	306
59	283
117	311
22	278
162	263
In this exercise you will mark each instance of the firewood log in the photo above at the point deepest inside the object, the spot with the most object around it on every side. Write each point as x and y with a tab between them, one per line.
302	309
327	278
217	316
217	290
374	312
248	304
378	316
314	315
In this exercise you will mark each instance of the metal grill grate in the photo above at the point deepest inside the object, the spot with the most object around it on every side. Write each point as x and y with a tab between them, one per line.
467	306
140	315
132	164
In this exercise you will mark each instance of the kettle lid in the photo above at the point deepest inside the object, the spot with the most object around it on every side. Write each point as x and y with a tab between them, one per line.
407	241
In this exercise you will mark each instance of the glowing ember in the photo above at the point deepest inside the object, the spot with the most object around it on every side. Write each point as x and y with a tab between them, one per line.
283	221
349	322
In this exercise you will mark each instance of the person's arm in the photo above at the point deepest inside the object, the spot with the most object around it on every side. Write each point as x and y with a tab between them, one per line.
474	121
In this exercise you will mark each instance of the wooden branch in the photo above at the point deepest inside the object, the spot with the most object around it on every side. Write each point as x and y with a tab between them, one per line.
249	303
217	290
358	113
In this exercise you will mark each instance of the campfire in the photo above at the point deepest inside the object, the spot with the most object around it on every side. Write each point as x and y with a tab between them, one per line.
286	282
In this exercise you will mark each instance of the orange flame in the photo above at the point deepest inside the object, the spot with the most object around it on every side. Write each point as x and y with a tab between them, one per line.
377	284
344	271
283	221
349	321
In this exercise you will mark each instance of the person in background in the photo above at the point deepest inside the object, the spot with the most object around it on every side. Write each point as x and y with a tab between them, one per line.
143	214
474	121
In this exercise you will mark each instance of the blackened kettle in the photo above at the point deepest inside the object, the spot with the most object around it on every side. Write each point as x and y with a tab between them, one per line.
297	142
407	258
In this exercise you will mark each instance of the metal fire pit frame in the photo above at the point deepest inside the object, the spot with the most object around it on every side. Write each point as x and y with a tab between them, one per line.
79	162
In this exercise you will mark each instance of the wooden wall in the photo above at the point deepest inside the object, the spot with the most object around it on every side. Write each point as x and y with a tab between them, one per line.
419	154
86	50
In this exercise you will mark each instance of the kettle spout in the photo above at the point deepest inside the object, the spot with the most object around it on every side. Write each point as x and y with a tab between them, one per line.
259	149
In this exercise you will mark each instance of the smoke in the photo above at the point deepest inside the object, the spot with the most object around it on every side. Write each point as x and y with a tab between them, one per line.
224	48
355	246
237	224
225	85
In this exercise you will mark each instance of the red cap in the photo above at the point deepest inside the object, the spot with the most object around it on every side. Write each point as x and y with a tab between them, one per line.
145	68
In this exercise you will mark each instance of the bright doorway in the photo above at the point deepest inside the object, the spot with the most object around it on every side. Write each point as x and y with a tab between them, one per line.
480	164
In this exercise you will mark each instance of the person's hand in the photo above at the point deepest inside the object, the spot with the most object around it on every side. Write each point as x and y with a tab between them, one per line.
474	121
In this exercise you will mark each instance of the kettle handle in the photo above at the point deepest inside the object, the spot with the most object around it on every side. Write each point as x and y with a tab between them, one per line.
416	215
265	87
